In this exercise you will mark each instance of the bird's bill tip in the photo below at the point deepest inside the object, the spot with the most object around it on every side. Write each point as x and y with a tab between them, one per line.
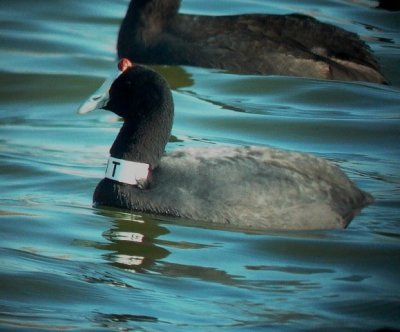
99	98
95	101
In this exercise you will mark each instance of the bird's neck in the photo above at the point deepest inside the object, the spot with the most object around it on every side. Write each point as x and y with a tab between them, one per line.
140	143
143	24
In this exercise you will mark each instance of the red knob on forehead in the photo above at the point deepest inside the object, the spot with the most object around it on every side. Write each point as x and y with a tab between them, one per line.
124	64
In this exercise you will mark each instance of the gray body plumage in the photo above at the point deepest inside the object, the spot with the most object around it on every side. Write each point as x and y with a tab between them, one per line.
246	187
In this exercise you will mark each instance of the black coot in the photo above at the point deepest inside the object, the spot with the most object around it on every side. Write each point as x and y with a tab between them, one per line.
154	32
246	187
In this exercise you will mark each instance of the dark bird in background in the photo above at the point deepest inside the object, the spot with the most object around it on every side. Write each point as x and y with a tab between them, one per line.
154	32
392	5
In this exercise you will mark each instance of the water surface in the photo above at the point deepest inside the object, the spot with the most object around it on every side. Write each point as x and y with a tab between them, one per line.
68	266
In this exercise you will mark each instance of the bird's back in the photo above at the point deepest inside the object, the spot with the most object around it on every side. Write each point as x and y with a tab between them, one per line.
254	188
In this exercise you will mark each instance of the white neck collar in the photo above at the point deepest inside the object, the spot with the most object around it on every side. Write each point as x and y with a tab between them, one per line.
126	171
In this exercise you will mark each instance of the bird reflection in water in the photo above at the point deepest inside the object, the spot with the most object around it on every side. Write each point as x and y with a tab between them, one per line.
132	241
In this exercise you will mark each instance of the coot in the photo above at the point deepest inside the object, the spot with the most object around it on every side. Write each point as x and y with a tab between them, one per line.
153	32
247	187
392	5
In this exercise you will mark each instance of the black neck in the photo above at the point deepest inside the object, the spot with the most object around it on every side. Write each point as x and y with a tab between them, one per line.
143	23
143	143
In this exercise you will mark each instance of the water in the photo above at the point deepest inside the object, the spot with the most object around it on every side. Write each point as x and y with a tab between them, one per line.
68	266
